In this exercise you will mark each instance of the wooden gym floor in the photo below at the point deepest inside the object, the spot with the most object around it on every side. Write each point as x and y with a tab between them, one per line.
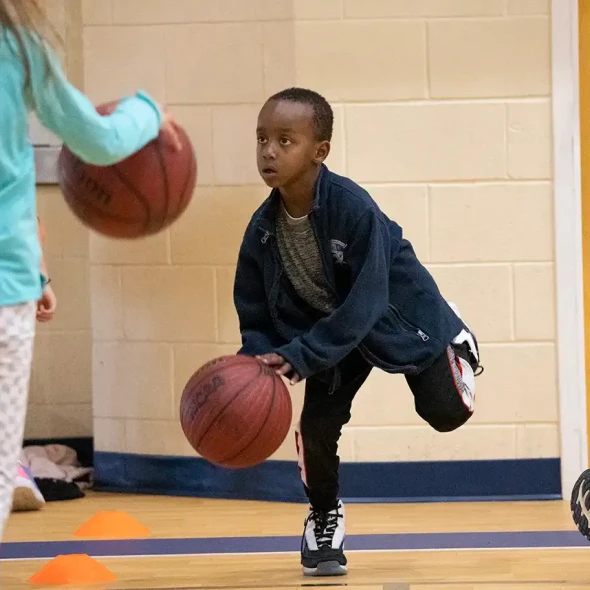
216	544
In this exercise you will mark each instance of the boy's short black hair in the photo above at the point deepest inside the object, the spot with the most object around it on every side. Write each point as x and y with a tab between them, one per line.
323	116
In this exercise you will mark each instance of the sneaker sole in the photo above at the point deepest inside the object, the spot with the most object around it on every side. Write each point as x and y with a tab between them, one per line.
580	503
24	500
326	568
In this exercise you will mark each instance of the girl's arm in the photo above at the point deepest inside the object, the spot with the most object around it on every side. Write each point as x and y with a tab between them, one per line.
41	234
96	139
48	302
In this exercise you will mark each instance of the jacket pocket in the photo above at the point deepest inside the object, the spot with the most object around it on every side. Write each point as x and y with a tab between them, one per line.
407	325
385	362
396	344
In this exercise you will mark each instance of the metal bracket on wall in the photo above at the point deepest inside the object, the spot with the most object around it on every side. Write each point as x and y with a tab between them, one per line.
47	147
46	164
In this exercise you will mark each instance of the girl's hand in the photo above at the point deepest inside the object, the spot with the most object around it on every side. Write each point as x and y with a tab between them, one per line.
168	126
169	130
284	368
46	305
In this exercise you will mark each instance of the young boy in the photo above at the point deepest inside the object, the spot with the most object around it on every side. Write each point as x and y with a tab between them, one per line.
326	289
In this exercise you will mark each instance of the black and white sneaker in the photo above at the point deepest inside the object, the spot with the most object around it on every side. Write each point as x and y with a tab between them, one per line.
322	543
580	503
466	340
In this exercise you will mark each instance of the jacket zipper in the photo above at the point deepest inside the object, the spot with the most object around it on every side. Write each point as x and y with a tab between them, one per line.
276	279
424	336
322	254
421	334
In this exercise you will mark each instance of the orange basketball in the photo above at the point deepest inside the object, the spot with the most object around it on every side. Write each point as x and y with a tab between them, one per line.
137	197
235	411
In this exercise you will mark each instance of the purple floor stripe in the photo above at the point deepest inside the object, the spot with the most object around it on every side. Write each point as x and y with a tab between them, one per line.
207	546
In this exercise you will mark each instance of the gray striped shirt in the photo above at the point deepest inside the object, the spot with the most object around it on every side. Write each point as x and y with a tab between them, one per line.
302	260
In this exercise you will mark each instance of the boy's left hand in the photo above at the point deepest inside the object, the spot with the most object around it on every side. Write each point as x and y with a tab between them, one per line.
276	360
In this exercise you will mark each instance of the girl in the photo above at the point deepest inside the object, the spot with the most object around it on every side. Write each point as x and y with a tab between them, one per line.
32	80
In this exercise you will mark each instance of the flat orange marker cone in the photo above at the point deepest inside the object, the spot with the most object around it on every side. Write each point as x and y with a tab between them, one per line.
72	569
112	524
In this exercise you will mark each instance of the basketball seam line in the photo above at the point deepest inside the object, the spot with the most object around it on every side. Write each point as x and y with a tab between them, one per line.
185	200
223	410
255	436
142	199
166	186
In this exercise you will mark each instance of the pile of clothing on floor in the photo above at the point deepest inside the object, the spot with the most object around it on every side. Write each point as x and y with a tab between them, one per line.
49	474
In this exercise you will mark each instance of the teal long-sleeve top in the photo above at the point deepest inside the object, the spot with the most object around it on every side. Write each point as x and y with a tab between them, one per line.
69	114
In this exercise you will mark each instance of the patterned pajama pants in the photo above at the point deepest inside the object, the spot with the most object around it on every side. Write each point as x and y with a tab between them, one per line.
17	334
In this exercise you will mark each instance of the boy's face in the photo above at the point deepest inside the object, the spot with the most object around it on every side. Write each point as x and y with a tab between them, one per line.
287	147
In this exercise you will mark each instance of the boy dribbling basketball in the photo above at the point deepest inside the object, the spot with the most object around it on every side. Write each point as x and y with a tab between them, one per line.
326	289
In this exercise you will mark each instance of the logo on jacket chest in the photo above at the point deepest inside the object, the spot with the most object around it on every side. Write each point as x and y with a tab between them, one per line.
338	248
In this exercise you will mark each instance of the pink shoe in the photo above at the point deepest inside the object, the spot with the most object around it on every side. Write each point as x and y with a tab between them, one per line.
26	494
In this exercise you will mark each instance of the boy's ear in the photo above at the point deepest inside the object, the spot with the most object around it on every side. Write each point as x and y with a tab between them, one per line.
322	152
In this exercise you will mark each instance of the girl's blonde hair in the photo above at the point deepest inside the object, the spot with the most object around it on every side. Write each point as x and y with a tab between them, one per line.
22	17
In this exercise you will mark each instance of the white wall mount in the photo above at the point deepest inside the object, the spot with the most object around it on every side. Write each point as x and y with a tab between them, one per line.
46	146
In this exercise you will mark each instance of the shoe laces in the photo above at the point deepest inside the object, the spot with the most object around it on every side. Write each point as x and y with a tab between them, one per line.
471	358
325	525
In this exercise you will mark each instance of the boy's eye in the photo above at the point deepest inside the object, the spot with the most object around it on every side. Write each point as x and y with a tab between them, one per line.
261	140
285	141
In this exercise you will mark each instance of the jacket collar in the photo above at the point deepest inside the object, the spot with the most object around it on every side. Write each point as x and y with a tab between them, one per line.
268	213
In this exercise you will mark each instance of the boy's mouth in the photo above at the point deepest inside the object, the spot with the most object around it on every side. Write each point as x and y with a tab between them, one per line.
269	170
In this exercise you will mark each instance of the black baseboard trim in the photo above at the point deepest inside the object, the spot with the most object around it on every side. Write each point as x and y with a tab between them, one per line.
278	481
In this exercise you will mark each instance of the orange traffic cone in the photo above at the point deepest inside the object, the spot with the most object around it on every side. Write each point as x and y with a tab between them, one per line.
72	569
112	524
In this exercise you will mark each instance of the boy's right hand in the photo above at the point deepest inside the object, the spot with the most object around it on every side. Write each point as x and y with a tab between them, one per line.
284	368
